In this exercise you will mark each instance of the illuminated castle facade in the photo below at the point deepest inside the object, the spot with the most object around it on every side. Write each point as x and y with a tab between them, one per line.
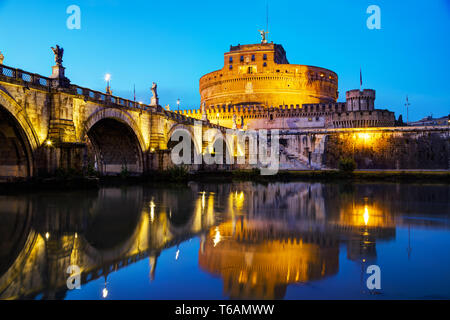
257	88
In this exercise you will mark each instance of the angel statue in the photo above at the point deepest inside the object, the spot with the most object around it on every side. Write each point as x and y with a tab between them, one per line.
263	35
58	51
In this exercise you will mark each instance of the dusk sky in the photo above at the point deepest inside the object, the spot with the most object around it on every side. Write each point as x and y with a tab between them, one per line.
175	42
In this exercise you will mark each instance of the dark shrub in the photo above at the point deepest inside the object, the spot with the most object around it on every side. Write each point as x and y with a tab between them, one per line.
347	165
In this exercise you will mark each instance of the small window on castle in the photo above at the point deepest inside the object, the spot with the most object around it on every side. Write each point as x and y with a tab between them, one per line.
265	56
278	70
231	60
231	67
242	58
265	64
253	57
250	70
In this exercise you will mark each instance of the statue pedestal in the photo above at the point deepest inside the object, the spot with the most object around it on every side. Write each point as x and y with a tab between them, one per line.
154	102
58	76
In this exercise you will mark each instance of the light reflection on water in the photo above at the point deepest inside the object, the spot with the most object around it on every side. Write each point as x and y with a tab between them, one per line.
240	241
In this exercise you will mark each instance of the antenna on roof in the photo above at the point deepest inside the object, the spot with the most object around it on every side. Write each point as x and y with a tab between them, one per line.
264	33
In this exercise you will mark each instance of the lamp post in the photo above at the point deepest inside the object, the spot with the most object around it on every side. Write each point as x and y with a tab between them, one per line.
108	87
178	104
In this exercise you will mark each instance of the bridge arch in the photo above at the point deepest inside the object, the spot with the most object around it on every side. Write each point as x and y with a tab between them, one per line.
18	140
115	141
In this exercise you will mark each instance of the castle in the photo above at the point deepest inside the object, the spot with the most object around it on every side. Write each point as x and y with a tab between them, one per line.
258	88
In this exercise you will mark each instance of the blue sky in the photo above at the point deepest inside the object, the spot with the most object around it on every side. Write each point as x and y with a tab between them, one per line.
175	42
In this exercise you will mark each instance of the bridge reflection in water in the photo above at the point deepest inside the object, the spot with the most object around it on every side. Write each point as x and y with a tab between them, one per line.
257	238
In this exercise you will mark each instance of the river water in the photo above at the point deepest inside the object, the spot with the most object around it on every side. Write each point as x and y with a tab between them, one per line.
233	240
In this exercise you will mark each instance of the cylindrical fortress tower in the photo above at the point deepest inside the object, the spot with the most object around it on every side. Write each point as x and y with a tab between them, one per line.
260	74
360	100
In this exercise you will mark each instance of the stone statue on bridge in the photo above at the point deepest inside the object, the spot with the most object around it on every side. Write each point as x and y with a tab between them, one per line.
58	51
154	87
58	73
155	99
2	57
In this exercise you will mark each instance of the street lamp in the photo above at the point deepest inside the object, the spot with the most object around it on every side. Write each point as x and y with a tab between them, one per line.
108	87
178	104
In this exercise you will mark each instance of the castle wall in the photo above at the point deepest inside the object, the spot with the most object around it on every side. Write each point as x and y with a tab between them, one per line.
372	148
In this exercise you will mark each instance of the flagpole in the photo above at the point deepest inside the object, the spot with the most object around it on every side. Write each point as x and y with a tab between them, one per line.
360	79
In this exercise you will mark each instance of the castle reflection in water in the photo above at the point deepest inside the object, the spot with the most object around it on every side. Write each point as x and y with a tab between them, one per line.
257	238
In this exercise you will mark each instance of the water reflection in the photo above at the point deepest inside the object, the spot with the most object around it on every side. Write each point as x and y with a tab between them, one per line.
258	239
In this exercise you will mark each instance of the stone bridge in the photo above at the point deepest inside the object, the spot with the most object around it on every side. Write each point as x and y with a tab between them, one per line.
48	123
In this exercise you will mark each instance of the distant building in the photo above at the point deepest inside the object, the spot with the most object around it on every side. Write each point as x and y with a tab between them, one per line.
430	121
260	89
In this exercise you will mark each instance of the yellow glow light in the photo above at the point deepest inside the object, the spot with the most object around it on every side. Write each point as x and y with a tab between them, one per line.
48	143
364	136
47	235
203	199
107	77
105	293
366	215
217	237
152	211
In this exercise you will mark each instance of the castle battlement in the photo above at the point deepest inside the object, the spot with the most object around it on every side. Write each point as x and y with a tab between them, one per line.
358	111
